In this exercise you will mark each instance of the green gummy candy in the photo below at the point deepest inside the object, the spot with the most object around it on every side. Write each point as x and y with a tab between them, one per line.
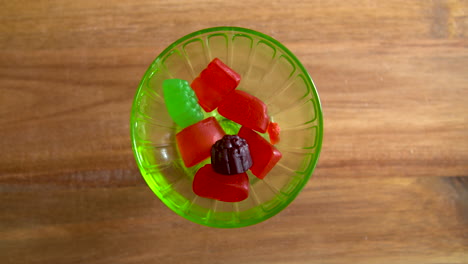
181	102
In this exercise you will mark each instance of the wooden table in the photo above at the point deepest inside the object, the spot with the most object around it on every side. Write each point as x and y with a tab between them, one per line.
391	185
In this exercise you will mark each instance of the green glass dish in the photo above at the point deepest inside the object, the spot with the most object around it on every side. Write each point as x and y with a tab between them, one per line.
270	72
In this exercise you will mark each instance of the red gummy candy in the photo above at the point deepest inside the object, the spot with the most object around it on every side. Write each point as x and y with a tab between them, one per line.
264	155
273	132
195	141
227	188
214	83
246	110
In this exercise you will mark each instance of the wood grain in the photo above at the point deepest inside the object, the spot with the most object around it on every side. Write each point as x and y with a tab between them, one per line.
391	185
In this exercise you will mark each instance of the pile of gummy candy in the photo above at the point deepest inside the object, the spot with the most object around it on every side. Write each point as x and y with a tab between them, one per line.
225	179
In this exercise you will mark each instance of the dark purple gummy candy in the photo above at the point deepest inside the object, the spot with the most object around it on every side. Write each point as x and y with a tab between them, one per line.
230	155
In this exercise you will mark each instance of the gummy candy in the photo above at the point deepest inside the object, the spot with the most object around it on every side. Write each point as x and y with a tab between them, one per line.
274	132
227	188
264	155
230	155
195	141
181	102
214	83
246	110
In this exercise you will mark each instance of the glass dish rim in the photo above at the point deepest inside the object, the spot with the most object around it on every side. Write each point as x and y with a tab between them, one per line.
308	172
